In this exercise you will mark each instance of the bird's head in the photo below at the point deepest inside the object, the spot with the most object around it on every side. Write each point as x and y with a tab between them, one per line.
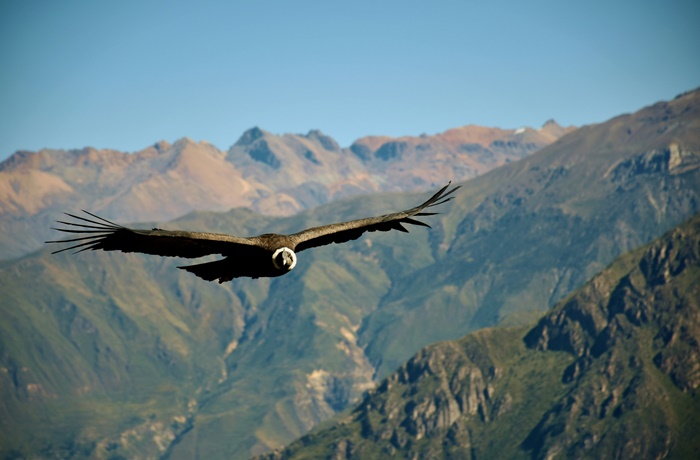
284	259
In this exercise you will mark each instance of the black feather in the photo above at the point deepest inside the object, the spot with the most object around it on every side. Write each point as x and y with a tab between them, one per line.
249	257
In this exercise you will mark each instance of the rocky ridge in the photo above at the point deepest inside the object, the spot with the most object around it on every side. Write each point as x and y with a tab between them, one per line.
613	371
111	347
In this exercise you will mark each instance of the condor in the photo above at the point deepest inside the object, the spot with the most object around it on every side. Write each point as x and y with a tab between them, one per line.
266	255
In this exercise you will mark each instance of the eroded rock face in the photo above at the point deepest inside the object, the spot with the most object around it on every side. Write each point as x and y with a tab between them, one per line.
460	388
606	330
600	376
606	312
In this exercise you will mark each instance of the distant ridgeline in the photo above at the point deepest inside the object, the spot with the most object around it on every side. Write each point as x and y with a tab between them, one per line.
113	355
271	174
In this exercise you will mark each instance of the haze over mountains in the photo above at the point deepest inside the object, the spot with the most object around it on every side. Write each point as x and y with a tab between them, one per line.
272	174
107	355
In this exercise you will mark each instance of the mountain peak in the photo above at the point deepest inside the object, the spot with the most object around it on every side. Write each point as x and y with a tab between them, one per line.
326	142
250	136
183	141
554	129
161	146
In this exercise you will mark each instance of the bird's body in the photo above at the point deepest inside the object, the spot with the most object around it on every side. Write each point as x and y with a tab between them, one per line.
266	255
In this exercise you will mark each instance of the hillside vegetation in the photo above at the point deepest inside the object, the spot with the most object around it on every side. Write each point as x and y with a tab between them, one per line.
613	371
109	354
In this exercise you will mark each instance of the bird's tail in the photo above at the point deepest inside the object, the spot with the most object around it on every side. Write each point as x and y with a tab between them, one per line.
217	270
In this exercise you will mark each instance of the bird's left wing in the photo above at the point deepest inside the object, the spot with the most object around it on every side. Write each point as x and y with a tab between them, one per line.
346	231
97	233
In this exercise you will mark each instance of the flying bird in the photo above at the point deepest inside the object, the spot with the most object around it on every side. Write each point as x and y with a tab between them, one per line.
266	255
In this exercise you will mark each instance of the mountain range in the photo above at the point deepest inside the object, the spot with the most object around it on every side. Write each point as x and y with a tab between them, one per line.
271	174
105	355
613	371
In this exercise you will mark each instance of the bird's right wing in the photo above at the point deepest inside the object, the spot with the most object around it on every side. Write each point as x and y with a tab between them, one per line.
97	233
351	230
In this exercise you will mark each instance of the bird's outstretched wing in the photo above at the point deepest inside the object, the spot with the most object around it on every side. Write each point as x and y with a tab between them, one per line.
346	231
97	233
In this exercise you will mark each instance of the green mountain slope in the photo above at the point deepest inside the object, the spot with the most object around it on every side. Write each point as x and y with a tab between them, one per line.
120	354
107	351
520	238
104	355
613	371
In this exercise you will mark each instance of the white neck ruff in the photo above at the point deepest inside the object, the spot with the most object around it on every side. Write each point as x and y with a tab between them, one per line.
288	251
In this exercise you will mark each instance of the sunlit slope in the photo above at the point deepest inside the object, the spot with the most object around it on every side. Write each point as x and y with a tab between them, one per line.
610	372
520	238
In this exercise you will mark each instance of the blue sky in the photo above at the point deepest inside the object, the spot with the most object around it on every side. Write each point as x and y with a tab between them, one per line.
126	74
